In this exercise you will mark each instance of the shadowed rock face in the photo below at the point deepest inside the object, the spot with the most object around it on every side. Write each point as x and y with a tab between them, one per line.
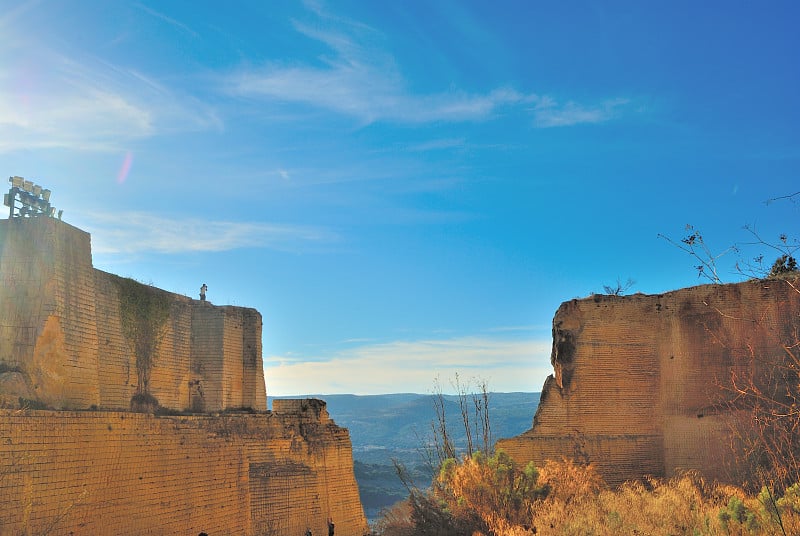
638	380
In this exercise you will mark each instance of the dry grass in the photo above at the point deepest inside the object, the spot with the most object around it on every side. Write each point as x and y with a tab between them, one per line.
492	497
685	505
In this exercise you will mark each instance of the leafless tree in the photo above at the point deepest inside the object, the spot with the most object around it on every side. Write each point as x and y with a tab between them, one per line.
473	404
443	443
620	288
695	245
761	399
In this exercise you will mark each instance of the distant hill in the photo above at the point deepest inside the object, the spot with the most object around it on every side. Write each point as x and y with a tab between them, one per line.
398	426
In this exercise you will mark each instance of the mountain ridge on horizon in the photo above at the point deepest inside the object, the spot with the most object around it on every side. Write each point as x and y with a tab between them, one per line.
398	427
322	396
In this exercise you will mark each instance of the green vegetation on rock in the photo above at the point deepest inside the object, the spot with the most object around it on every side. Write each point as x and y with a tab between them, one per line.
144	311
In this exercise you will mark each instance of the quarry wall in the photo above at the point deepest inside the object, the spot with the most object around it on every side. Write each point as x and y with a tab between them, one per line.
122	473
638	383
75	460
48	322
66	342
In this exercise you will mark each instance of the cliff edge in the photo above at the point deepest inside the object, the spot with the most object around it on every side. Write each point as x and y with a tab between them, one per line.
641	383
74	337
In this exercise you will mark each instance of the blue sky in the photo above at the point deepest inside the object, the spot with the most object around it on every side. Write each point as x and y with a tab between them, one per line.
405	190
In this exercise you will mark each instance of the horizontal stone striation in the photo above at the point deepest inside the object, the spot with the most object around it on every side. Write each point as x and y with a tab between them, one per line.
61	332
47	310
636	388
120	473
63	346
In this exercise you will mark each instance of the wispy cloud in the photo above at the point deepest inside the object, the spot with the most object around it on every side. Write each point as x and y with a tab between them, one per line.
49	99
506	329
548	113
10	15
358	90
437	145
403	366
360	80
136	232
165	18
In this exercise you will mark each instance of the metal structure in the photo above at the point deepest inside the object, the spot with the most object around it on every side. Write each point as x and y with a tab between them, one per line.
28	200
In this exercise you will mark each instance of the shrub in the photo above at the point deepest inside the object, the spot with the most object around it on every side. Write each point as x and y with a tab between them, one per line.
737	516
27	403
490	485
785	264
790	502
144	403
494	497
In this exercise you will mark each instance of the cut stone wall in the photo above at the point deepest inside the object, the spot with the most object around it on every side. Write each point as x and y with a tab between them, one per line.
118	473
104	471
636	388
62	339
47	311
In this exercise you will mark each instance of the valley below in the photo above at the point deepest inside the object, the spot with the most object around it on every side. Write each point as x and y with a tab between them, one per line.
390	428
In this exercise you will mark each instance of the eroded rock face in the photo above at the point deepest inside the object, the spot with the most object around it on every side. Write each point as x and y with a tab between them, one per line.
46	369
639	381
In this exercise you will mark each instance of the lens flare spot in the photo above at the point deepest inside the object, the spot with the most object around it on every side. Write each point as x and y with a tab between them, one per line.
125	168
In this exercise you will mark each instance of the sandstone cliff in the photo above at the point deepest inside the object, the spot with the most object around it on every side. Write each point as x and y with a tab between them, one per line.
80	347
638	383
73	337
122	473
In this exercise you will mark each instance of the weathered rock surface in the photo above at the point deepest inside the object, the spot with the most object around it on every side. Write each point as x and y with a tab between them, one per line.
638	380
72	339
62	326
13	387
122	473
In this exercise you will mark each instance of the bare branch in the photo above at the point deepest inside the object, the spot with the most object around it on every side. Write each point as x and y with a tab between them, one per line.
790	197
694	245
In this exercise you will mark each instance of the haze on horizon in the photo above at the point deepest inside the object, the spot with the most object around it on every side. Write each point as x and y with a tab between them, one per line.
404	190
